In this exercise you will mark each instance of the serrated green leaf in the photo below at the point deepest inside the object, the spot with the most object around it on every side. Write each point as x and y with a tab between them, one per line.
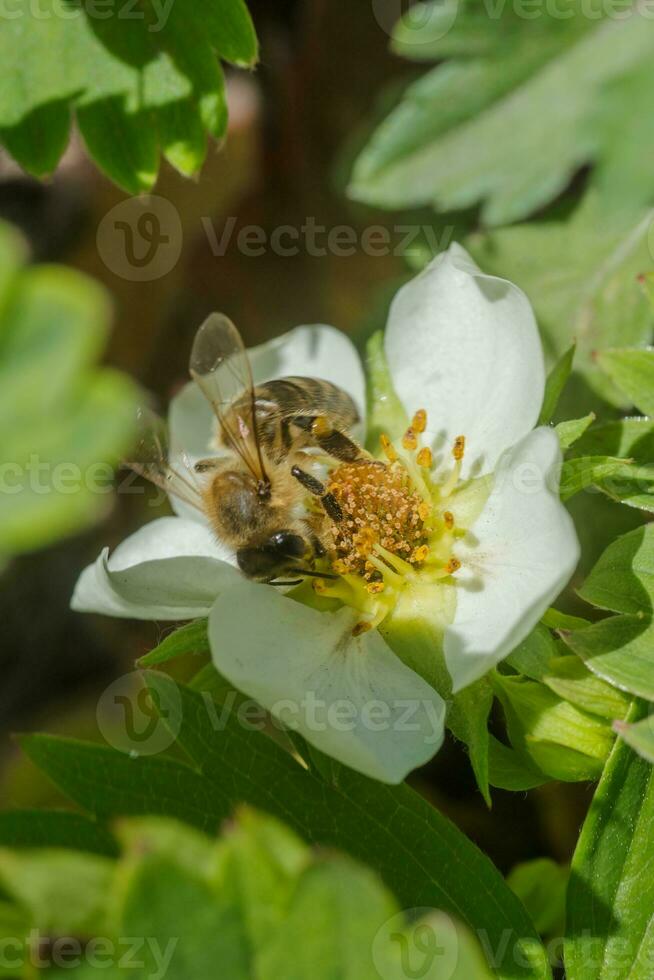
252	768
511	119
610	931
595	260
139	84
633	438
556	382
632	370
532	656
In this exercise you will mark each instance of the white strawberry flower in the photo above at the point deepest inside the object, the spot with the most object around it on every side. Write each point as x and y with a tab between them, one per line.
497	546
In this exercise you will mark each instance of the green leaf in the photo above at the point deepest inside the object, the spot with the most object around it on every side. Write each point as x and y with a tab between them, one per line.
386	414
251	768
586	471
610	895
55	829
632	438
565	742
623	579
512	770
632	370
639	735
63	891
191	638
569	678
467	719
541	886
556	382
336	911
184	919
620	650
595	259
139	85
573	429
532	656
511	115
109	783
63	421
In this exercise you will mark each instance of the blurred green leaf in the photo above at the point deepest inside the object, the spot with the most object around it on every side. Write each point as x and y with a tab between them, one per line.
556	382
610	930
512	770
632	370
63	421
138	85
581	275
513	113
541	886
63	891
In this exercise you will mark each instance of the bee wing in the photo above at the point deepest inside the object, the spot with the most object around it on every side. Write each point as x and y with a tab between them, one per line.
220	365
151	460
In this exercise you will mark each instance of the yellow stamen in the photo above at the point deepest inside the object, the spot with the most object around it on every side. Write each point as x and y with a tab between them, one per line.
361	627
424	457
394	561
419	422
448	519
459	448
388	448
420	554
374	588
387	572
424	510
410	440
452	566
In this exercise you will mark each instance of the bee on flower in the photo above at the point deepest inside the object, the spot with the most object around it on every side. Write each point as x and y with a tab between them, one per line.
430	554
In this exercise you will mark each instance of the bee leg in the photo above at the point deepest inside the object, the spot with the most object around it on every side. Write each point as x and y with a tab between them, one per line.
328	500
330	440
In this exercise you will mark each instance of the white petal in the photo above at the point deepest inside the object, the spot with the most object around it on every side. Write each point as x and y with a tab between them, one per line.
521	552
351	697
464	345
169	569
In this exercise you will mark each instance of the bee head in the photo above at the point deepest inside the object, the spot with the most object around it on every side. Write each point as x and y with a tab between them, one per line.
274	556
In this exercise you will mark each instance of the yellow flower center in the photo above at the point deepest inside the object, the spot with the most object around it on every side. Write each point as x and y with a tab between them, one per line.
396	525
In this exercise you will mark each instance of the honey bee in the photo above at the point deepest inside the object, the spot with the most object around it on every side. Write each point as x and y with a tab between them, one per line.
253	492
